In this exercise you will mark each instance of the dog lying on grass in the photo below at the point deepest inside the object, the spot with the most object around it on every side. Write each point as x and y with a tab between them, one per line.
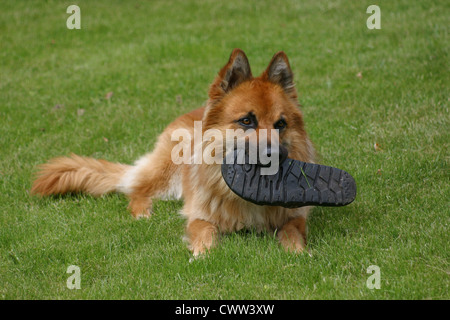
237	100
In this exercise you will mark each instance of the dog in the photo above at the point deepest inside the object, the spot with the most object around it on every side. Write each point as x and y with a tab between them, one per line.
237	100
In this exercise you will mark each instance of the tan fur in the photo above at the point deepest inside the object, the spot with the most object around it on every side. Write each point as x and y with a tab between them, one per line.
293	234
202	235
78	174
210	206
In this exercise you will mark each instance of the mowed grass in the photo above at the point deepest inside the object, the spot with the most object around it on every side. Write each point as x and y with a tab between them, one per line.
357	87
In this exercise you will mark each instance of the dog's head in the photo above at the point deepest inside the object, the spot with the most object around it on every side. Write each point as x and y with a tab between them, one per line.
266	106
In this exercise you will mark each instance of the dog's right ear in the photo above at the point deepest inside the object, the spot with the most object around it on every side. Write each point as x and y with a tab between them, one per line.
236	71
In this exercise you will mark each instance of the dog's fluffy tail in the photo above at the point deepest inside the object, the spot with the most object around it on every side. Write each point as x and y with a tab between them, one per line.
78	174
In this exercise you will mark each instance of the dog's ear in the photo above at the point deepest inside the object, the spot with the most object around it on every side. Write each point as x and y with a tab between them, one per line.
236	71
279	72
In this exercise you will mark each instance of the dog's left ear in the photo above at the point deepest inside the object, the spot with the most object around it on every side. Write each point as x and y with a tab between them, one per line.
279	72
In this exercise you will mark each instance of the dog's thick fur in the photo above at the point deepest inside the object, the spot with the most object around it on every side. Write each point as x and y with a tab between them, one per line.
210	207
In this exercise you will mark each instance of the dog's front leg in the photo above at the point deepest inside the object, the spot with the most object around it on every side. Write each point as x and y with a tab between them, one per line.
292	235
202	236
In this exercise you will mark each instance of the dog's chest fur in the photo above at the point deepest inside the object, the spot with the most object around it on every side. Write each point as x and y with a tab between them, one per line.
207	197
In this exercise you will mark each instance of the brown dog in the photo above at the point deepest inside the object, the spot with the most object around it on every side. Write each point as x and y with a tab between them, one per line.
237	100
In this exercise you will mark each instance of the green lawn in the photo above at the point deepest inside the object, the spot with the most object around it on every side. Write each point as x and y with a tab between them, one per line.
357	87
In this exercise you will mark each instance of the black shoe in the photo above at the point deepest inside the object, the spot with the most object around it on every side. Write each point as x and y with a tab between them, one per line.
296	184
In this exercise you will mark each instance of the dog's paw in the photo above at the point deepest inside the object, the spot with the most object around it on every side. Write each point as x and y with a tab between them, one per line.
144	215
140	208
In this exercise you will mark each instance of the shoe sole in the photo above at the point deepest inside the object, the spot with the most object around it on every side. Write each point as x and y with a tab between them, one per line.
296	184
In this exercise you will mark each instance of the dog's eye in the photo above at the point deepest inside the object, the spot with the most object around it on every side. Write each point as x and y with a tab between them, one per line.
246	121
280	124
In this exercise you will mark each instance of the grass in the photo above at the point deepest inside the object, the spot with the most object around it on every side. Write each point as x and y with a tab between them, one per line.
158	58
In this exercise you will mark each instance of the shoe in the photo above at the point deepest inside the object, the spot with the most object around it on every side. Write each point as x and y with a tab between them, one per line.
296	184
